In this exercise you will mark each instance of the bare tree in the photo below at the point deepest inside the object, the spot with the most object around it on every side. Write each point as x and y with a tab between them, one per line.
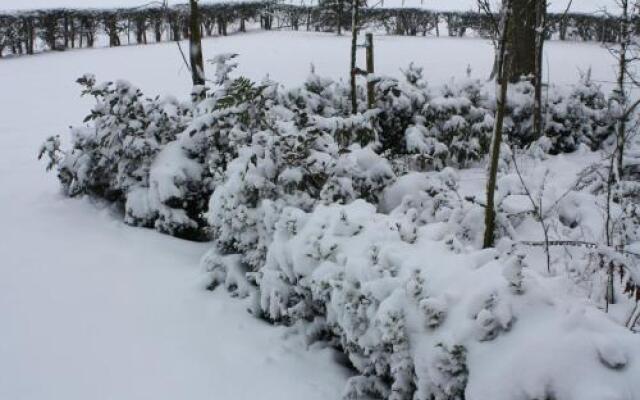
354	48
195	45
538	210
626	50
502	83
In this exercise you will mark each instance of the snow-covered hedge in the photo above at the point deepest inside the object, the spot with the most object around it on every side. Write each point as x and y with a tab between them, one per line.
423	314
161	159
355	228
420	319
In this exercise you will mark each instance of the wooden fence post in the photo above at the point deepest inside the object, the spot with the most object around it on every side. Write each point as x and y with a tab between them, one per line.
354	46
370	71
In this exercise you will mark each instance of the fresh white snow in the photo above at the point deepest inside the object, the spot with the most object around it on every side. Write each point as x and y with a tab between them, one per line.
93	309
287	57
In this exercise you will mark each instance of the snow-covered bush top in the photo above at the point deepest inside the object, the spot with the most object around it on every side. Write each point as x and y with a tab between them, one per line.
162	159
419	321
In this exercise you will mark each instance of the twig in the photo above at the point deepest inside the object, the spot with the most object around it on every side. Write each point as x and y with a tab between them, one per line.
537	209
571	243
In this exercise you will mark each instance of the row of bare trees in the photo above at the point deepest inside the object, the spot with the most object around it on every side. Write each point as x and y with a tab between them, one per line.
59	29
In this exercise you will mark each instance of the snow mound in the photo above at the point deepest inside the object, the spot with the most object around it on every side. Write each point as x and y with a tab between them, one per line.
436	321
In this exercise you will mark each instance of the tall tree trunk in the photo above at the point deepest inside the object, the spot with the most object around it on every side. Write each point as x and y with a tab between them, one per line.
195	45
522	40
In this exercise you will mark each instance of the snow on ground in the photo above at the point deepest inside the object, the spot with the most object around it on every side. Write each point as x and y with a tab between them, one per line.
287	57
585	6
93	309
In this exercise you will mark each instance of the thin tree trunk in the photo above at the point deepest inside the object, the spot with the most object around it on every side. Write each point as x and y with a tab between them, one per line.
195	45
339	16
541	32
370	71
65	31
622	73
158	31
502	81
354	47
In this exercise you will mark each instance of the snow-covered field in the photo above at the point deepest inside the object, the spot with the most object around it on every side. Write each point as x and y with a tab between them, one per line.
93	309
287	57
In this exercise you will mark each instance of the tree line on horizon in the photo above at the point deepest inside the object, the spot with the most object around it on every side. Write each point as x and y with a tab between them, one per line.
31	31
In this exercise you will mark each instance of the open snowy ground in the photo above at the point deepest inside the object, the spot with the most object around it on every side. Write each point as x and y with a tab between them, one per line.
93	309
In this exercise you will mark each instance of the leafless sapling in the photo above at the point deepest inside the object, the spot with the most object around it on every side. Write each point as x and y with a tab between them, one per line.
502	82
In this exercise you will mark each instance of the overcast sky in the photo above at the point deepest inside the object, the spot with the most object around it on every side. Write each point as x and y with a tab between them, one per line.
556	5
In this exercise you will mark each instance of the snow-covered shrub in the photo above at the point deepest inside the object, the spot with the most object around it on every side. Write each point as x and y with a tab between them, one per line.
580	225
519	128
308	213
114	152
126	153
570	117
347	130
276	168
459	120
51	149
172	202
359	173
161	159
422	129
317	96
582	117
432	129
419	321
398	103
283	167
430	197
223	121
158	158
